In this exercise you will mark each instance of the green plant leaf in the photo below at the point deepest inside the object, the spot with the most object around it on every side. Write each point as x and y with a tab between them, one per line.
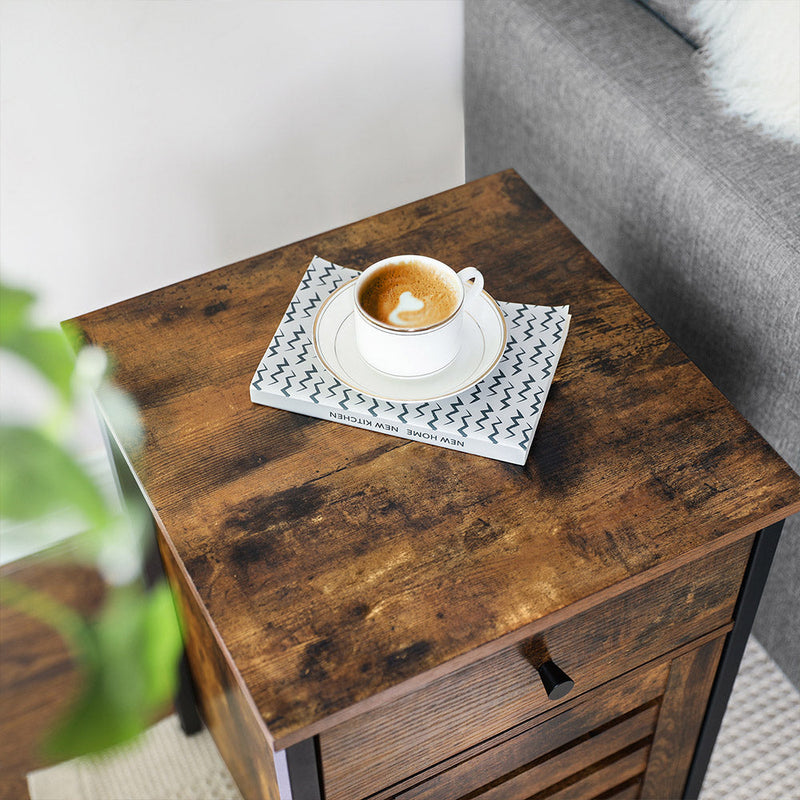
38	476
48	351
14	307
163	644
74	336
128	655
96	722
129	672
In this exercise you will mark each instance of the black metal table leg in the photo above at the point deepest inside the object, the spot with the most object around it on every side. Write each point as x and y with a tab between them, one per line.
302	760
755	578
186	700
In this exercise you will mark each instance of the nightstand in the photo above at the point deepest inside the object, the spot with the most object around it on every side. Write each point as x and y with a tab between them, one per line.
407	621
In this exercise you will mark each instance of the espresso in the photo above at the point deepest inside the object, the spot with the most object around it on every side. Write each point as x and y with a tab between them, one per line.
408	294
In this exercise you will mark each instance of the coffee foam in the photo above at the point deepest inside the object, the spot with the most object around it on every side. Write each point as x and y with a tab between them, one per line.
384	295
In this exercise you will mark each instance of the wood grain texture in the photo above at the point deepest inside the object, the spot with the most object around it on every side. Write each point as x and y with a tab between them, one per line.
609	776
342	566
526	744
629	790
682	712
38	677
224	703
226	708
569	765
479	701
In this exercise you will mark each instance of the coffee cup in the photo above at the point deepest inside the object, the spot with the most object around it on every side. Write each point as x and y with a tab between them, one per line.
409	312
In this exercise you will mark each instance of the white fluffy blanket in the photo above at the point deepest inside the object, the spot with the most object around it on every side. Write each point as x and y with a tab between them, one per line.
751	54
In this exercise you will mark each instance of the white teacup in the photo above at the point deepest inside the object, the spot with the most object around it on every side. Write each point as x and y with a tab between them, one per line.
405	335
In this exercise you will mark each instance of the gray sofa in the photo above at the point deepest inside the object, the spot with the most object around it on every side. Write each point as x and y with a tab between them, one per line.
601	107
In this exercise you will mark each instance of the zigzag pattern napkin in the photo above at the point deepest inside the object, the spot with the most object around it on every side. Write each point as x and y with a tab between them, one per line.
496	418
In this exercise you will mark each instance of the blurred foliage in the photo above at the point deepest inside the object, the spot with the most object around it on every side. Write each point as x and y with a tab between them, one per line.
128	653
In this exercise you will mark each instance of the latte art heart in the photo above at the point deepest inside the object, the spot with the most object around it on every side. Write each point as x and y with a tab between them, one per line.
407	302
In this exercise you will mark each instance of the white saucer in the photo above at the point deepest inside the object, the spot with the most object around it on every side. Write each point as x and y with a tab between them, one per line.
484	340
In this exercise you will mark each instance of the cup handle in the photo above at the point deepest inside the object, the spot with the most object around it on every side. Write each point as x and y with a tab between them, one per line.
475	287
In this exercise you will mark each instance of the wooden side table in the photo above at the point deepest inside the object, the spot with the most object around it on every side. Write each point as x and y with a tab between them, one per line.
383	608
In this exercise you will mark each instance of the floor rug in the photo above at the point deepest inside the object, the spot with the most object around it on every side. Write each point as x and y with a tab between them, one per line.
162	764
757	756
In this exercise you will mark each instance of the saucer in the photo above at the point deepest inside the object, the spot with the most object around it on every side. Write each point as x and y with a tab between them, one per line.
484	340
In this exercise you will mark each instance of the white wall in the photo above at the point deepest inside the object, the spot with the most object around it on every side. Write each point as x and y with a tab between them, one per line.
142	142
145	141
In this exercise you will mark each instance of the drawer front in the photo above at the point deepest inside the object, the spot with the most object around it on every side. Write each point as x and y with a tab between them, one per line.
601	729
452	714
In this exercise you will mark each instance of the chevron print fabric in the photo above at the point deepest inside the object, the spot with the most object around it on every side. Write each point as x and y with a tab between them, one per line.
496	418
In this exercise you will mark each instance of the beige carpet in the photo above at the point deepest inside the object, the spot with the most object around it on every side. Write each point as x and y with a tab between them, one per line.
162	764
757	756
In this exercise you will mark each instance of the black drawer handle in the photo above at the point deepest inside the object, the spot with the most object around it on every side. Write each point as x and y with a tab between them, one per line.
556	682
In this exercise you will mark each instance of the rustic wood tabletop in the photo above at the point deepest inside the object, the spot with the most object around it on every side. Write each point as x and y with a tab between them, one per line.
335	565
